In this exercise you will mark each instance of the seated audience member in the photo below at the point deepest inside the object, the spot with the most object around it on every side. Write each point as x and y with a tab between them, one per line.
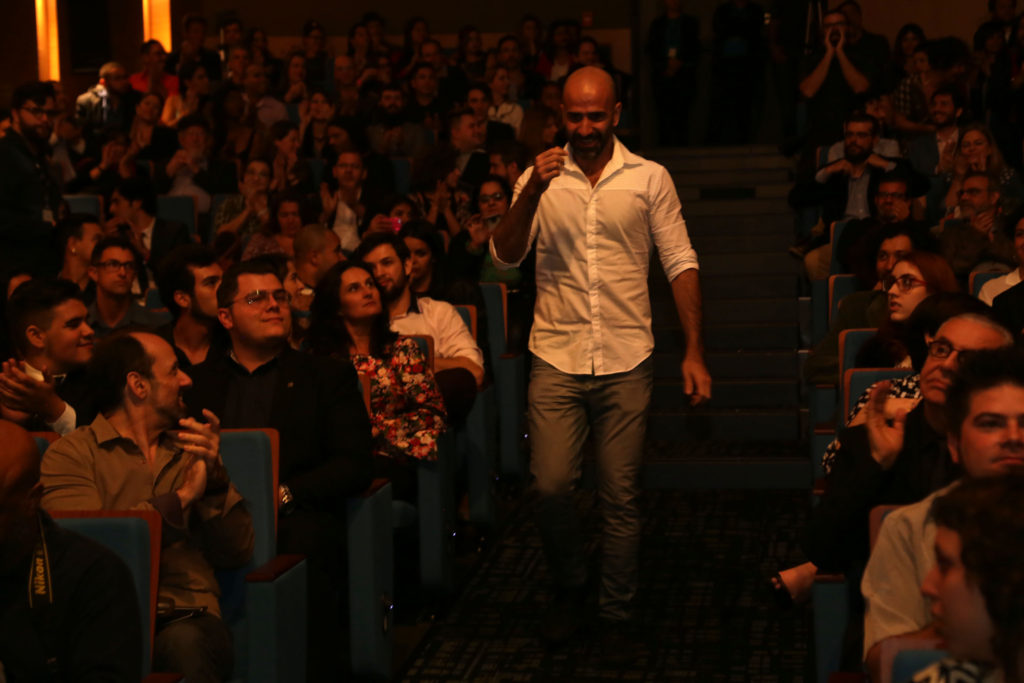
93	626
866	308
435	178
153	78
932	153
985	398
390	132
890	202
29	191
913	94
300	297
914	278
267	109
458	361
344	209
133	212
293	88
466	134
101	173
192	171
979	239
46	389
427	274
316	406
108	104
468	256
316	249
188	281
278	236
424	107
316	142
503	109
247	212
523	84
194	95
978	152
509	159
993	288
290	173
843	188
113	270
79	233
110	465
451	81
192	52
974	587
406	409
479	100
415	32
148	139
314	39
875	107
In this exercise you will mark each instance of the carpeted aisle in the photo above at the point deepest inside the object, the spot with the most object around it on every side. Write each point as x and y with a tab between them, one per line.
702	608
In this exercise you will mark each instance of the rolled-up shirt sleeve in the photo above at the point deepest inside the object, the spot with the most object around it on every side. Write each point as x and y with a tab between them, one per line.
668	228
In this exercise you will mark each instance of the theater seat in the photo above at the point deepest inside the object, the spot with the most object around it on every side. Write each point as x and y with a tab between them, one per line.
509	370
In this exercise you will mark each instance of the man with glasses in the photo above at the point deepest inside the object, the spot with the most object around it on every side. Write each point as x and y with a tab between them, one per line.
982	412
894	453
978	240
315	403
29	191
113	269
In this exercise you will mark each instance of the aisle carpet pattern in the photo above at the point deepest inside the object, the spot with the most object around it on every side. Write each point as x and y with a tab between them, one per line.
703	611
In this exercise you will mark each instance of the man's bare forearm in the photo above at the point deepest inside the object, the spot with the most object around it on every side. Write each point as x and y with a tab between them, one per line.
686	293
812	83
512	236
857	81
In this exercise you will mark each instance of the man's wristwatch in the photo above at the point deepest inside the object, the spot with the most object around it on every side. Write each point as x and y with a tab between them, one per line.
285	499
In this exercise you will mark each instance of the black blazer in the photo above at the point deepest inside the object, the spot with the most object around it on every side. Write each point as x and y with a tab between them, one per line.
1008	307
318	410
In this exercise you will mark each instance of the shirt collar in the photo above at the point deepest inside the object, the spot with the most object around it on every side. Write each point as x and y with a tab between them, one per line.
621	158
148	230
104	431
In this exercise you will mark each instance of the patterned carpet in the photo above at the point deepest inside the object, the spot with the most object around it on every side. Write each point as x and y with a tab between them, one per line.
702	608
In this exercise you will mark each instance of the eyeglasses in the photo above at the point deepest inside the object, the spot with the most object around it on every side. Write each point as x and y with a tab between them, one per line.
905	282
39	112
942	348
496	197
117	265
263	296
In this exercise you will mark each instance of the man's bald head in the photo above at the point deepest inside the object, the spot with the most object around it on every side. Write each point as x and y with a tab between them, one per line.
591	114
20	492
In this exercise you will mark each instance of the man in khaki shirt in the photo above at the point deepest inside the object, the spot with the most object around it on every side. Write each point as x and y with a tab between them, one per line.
141	452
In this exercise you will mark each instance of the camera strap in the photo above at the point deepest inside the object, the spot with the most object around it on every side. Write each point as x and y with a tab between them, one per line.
40	598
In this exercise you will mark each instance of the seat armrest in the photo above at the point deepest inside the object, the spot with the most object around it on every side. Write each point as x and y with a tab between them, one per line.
273	569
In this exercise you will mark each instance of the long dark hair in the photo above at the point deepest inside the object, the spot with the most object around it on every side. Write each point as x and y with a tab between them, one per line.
328	335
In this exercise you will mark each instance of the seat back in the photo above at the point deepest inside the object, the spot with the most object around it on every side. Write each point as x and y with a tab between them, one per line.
906	663
838	227
977	280
403	174
840	286
43	440
496	302
134	536
153	302
180	208
850	343
85	203
857	380
317	168
468	314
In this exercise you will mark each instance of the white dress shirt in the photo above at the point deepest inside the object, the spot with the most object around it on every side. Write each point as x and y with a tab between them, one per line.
440	320
593	312
996	286
65	424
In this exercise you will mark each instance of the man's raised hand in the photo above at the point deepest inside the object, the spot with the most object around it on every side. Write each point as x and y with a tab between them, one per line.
547	166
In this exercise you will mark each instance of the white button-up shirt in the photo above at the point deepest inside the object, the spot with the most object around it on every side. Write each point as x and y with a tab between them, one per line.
593	312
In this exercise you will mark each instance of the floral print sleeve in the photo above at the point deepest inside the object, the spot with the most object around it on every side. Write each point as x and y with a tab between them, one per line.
407	412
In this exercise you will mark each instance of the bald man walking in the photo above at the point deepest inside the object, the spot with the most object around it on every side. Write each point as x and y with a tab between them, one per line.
595	210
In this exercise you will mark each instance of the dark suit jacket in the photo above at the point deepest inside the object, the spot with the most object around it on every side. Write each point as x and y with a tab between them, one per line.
832	195
1008	307
318	410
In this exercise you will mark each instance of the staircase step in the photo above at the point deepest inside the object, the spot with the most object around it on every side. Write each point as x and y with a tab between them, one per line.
660	154
717	286
732	337
776	242
735	424
750	263
732	178
738	207
748	365
768	310
745	393
737	225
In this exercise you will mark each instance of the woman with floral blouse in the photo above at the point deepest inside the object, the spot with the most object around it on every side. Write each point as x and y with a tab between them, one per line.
406	410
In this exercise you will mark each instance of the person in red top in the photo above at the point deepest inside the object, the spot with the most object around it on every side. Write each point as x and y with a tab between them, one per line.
152	77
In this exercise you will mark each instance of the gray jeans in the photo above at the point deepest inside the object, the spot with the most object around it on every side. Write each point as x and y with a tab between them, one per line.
563	410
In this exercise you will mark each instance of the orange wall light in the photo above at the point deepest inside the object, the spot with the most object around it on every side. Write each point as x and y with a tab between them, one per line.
156	21
47	45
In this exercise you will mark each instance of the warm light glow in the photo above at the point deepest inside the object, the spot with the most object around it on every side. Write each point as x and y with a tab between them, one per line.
156	21
47	45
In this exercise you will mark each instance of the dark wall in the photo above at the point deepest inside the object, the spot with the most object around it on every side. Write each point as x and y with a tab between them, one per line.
17	48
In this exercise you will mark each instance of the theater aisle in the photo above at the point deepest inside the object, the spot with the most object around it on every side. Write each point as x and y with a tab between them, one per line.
726	485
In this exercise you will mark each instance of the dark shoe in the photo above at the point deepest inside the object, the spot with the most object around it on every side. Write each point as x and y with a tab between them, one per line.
564	616
618	643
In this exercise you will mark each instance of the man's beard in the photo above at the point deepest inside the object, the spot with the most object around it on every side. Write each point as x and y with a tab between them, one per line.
393	292
588	153
856	155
